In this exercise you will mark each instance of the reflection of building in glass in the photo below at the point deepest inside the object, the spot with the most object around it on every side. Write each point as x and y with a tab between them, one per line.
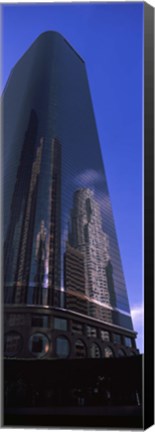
19	242
52	153
38	345
87	236
23	263
75	280
47	277
54	276
17	251
41	260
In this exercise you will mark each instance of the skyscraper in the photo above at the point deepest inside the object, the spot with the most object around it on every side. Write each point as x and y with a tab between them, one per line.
58	219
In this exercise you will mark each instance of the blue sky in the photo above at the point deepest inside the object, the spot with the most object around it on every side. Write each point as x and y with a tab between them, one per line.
109	37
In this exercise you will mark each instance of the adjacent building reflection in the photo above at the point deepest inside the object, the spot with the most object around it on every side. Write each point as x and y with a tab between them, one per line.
19	225
18	256
88	270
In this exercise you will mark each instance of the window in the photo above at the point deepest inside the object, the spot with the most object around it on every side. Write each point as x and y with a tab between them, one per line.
121	353
77	328
95	351
116	338
91	331
128	342
38	345
12	343
60	324
105	335
131	353
40	321
62	347
108	352
80	349
16	320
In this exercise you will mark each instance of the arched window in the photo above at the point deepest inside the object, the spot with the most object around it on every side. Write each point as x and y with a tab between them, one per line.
80	349
95	351
121	353
38	345
108	352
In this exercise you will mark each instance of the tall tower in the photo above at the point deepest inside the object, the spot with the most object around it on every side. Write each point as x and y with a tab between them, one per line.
53	157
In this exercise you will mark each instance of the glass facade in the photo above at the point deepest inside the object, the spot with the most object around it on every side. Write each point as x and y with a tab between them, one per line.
60	245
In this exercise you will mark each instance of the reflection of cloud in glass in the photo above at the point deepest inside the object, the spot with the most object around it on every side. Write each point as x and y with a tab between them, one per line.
88	177
137	313
96	181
